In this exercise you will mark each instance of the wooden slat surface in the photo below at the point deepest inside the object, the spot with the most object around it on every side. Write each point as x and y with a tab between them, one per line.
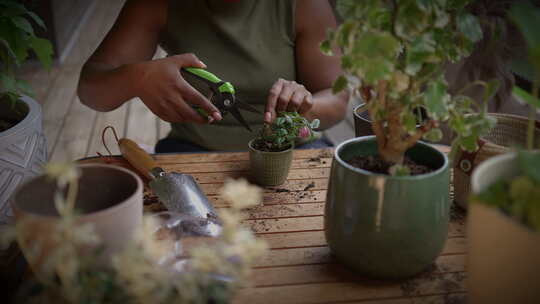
299	267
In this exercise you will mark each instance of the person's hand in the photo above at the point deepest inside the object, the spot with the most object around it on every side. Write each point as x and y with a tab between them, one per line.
168	95
287	96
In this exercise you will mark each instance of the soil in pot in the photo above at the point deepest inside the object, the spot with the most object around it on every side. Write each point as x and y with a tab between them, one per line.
376	164
266	147
11	113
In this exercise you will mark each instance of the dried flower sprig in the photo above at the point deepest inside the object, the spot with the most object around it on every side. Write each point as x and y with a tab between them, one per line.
137	274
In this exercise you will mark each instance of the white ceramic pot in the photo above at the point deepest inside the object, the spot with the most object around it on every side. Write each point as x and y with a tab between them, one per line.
109	197
504	255
23	152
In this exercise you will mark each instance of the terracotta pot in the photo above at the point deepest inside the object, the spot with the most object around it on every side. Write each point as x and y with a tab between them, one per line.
269	168
504	255
386	226
109	197
23	152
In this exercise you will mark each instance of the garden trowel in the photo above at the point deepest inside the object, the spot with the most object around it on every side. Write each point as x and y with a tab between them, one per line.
178	192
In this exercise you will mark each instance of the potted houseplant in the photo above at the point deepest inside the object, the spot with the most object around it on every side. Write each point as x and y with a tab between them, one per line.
271	152
504	218
501	54
150	259
23	150
387	207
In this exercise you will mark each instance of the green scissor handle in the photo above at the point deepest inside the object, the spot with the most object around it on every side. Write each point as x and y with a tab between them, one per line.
211	79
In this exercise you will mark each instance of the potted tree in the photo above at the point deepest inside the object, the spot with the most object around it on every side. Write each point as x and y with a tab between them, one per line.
505	205
271	152
23	150
387	206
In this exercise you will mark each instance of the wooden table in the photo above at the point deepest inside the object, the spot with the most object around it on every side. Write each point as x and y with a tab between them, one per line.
299	267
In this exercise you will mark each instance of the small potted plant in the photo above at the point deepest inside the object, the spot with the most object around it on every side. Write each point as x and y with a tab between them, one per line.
504	214
387	207
271	152
23	150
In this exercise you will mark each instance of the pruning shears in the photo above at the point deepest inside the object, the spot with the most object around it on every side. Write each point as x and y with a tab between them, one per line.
222	95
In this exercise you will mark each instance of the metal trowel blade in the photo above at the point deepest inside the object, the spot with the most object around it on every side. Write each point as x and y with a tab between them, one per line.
181	193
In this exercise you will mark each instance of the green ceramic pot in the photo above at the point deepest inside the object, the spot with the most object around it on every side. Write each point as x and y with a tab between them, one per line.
386	226
269	168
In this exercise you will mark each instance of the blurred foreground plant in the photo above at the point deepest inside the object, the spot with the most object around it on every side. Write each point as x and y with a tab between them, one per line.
137	274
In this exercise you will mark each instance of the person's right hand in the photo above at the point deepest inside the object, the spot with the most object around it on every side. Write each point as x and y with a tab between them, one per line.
167	94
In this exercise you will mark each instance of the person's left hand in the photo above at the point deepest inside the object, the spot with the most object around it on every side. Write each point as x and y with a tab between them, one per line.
289	96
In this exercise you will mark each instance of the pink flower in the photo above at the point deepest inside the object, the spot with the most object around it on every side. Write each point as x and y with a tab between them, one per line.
304	132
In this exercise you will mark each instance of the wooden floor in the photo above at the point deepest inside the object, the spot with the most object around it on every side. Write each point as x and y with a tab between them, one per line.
73	130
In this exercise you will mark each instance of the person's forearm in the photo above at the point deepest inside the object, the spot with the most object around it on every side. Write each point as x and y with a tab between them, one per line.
105	89
328	108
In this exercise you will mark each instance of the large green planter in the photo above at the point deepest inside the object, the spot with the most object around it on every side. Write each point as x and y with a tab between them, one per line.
269	168
385	226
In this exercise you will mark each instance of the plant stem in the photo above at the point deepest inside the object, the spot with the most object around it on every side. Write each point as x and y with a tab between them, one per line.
532	120
72	195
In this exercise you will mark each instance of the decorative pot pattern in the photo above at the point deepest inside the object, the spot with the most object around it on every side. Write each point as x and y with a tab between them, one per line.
503	258
269	168
23	152
386	226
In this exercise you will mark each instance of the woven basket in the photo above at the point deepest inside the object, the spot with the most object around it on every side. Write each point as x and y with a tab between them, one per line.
509	132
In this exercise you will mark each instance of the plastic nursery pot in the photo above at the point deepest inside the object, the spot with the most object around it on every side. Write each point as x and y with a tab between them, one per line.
269	168
362	122
109	197
510	131
504	255
386	226
23	149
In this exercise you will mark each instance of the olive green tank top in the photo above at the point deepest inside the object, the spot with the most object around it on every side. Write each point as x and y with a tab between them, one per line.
249	43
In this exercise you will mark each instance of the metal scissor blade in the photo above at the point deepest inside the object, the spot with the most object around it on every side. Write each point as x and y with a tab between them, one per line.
234	111
245	106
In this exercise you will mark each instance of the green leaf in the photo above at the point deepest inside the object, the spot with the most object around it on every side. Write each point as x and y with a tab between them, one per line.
469	143
339	85
469	26
281	132
23	24
523	95
326	48
43	49
492	87
409	121
345	8
496	195
8	83
525	15
280	121
37	19
436	99
377	44
529	162
24	87
433	135
10	52
288	119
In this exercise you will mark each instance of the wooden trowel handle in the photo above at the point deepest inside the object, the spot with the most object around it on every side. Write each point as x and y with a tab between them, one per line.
137	157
